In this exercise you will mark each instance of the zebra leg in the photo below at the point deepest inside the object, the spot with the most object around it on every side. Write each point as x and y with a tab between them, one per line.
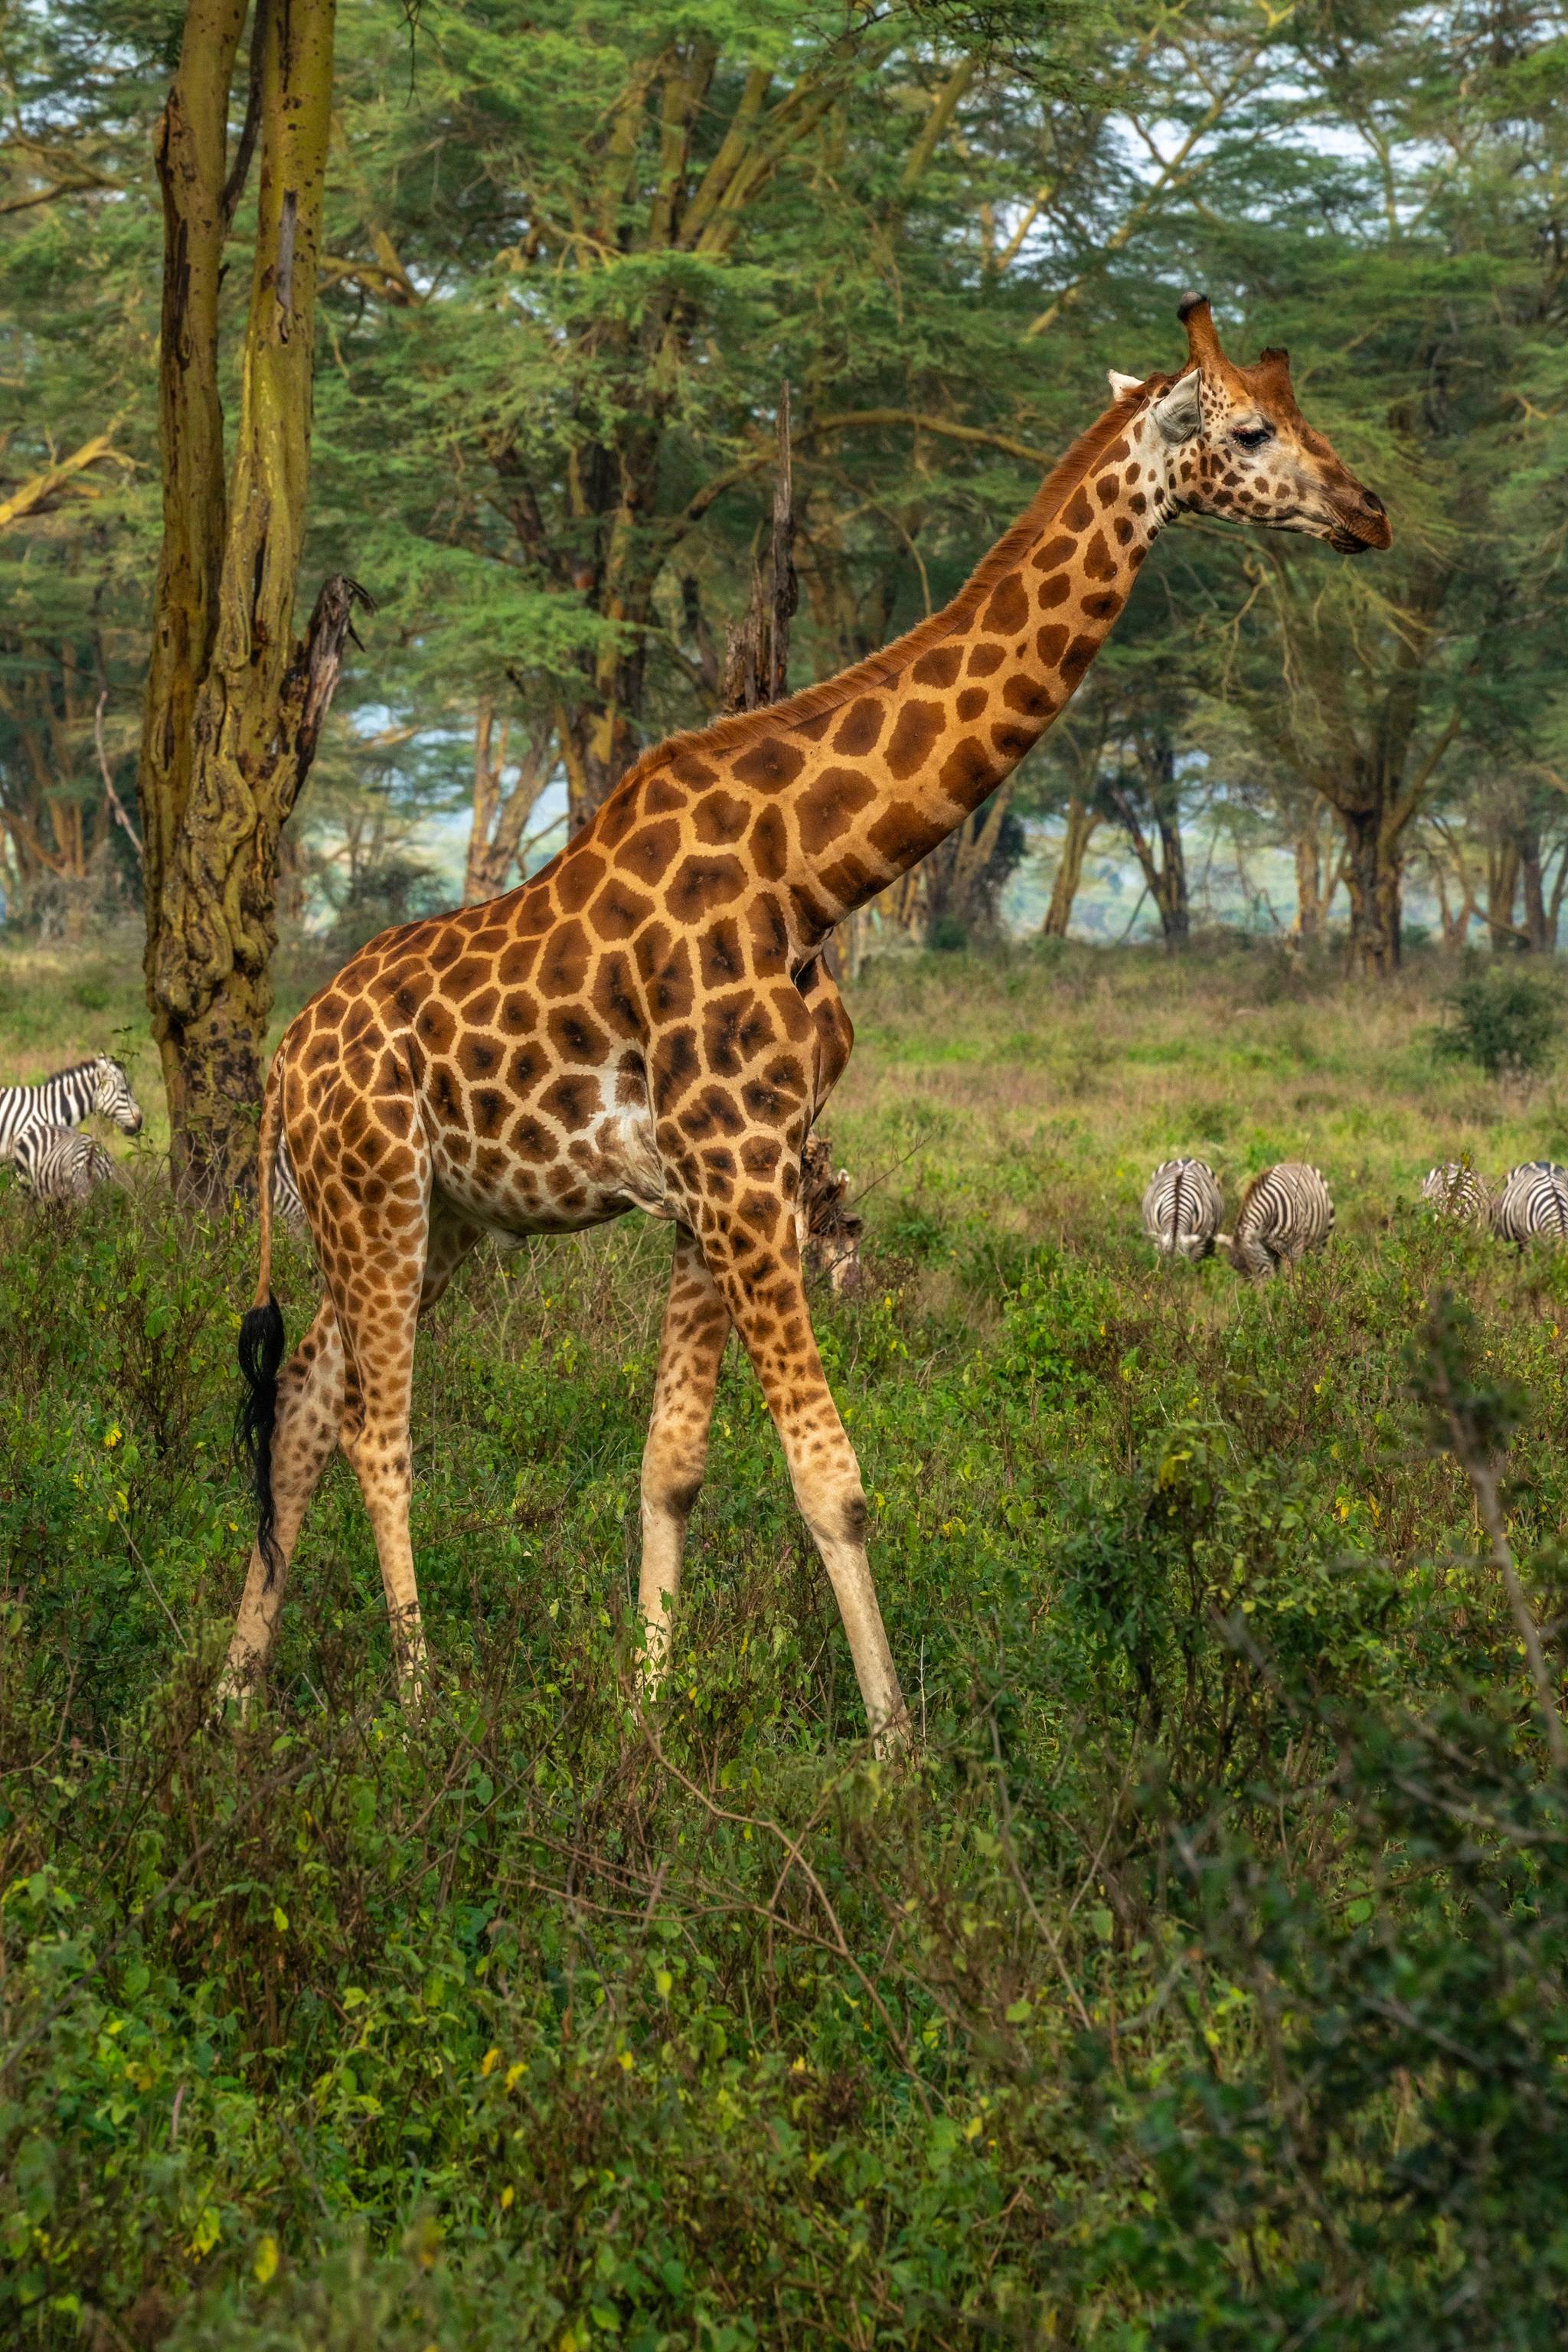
310	1417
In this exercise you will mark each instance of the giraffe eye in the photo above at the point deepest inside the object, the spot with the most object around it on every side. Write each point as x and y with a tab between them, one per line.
1253	436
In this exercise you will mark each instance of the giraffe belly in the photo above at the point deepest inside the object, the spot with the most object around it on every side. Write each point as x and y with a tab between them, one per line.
554	1181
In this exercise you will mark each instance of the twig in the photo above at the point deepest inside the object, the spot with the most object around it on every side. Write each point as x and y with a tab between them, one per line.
116	804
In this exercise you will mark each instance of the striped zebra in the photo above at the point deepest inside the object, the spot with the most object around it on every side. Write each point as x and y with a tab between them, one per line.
65	1100
285	1190
56	1163
1533	1202
1183	1209
1285	1211
1457	1189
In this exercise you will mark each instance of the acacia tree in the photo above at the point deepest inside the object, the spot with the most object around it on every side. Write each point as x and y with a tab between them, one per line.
572	268
235	701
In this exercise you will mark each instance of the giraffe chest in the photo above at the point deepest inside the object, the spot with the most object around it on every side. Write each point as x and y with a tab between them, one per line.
579	1154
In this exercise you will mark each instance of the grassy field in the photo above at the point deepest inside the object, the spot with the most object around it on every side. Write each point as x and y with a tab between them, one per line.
1204	1983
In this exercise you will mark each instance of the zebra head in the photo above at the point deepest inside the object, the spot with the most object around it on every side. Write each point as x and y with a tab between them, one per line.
112	1097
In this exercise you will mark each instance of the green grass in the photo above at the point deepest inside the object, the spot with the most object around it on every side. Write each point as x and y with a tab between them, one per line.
1203	1985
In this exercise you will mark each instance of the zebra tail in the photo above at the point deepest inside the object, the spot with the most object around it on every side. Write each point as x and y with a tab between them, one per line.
262	1339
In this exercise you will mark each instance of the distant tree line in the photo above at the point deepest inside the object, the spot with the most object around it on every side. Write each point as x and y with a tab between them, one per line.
552	268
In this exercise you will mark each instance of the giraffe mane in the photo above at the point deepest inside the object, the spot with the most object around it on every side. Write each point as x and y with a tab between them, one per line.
743	726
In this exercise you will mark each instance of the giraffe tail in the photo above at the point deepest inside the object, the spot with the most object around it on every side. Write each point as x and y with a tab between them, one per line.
262	1339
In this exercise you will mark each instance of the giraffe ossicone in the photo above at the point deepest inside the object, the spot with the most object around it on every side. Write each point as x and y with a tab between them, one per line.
648	1023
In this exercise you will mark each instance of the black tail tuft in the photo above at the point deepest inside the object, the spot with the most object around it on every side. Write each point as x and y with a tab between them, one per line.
261	1345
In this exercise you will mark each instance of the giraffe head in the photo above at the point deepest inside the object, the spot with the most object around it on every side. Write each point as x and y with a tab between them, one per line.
1241	447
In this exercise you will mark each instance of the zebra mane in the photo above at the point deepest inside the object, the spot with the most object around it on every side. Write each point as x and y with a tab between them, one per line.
78	1069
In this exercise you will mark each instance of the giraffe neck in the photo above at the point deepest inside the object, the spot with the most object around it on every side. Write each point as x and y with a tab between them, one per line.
969	693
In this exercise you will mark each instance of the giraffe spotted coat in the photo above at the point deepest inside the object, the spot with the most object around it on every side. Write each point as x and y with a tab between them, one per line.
648	1023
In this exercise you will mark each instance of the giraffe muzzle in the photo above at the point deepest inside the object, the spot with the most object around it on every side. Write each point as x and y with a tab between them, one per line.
1364	530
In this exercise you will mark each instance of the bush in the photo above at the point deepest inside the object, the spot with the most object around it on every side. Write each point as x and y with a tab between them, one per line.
1504	1018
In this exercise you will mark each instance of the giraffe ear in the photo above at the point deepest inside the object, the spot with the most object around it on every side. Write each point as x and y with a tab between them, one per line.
1176	411
1121	385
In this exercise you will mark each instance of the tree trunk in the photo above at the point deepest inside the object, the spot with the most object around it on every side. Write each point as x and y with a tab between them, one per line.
1082	824
235	703
1165	873
1539	930
756	652
1502	890
1169	892
495	835
1372	879
1554	902
959	878
1311	900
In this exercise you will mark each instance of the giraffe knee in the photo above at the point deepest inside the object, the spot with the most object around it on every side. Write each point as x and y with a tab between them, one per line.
835	1511
673	1494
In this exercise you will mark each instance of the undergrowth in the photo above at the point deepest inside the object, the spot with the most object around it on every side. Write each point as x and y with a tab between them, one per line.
1203	1983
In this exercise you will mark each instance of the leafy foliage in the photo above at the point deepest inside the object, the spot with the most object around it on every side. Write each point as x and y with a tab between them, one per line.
1503	1017
1204	1983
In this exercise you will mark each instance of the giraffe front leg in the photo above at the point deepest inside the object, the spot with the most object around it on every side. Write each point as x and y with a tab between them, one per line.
691	1347
753	1253
310	1417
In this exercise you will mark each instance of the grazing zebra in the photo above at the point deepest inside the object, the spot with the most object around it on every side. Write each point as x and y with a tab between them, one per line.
56	1163
1457	1189
1183	1209
68	1098
1535	1201
1283	1213
828	1230
285	1192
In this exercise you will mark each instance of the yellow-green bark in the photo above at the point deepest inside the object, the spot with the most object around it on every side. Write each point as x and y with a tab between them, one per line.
234	698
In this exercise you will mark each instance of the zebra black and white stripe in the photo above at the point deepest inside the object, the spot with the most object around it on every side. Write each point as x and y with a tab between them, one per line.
1534	1203
56	1163
285	1190
1285	1211
1457	1189
99	1085
1183	1209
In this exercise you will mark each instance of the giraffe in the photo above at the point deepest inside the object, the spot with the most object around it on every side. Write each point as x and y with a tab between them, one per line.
650	1022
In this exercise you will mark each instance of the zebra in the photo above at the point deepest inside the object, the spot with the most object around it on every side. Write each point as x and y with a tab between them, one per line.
56	1163
1284	1212
1457	1189
1183	1209
285	1190
1534	1202
68	1098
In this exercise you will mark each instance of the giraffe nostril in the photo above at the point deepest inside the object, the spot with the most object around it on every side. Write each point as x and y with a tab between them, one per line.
1373	503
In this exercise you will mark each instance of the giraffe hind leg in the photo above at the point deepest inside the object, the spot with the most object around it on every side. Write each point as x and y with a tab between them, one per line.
308	1419
691	1349
397	1283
